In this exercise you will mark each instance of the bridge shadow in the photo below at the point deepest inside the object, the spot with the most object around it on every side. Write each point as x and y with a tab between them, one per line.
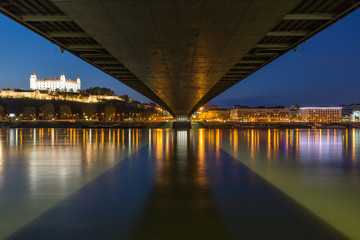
106	208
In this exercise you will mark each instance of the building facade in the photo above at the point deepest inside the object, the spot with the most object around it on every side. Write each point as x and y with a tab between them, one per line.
219	114
351	113
55	84
321	114
355	116
259	114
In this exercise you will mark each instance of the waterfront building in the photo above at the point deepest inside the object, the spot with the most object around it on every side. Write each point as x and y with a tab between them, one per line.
294	111
54	84
351	113
208	107
321	114
219	114
355	116
259	114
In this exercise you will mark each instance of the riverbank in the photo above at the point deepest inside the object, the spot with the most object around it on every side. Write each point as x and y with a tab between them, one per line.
84	124
163	125
240	125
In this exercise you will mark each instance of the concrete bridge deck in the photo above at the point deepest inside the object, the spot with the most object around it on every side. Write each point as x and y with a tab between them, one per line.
180	54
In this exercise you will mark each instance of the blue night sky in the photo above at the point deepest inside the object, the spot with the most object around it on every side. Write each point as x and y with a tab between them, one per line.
324	71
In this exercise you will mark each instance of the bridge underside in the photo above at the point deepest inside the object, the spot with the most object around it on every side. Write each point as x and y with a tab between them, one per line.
180	54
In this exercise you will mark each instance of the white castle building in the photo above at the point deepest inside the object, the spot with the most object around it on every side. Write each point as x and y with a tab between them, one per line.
55	84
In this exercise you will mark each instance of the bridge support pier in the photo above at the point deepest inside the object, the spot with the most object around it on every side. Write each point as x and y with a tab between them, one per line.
182	118
182	122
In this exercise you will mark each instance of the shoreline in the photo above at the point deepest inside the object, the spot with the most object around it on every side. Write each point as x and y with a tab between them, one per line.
164	125
82	124
238	125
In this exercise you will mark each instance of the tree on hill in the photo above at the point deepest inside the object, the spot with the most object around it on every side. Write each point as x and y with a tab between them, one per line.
63	94
47	110
110	112
65	111
89	110
1	111
99	91
29	112
126	98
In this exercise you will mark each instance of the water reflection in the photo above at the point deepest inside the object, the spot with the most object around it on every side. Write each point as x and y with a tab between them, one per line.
1	163
181	201
319	168
206	183
325	144
41	167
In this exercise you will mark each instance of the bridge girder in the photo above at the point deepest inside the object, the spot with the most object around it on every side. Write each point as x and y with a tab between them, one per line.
180	54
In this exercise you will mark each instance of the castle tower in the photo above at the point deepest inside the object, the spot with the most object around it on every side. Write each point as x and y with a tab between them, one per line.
33	81
78	84
62	82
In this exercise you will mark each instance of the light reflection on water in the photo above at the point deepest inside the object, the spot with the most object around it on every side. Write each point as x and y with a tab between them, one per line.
319	169
41	167
323	154
325	145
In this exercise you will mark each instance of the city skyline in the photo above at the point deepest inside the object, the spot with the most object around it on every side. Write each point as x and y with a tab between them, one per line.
323	66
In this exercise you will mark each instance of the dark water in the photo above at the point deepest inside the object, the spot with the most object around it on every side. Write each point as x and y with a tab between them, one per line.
165	184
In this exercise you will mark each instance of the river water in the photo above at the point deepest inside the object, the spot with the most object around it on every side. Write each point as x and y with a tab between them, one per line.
167	184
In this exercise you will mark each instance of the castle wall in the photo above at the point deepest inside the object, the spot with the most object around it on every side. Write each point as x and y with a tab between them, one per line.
36	94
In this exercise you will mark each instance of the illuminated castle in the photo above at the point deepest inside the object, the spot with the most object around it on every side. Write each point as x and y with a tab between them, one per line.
55	84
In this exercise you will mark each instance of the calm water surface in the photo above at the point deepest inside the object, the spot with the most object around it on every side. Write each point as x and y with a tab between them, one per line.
166	184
